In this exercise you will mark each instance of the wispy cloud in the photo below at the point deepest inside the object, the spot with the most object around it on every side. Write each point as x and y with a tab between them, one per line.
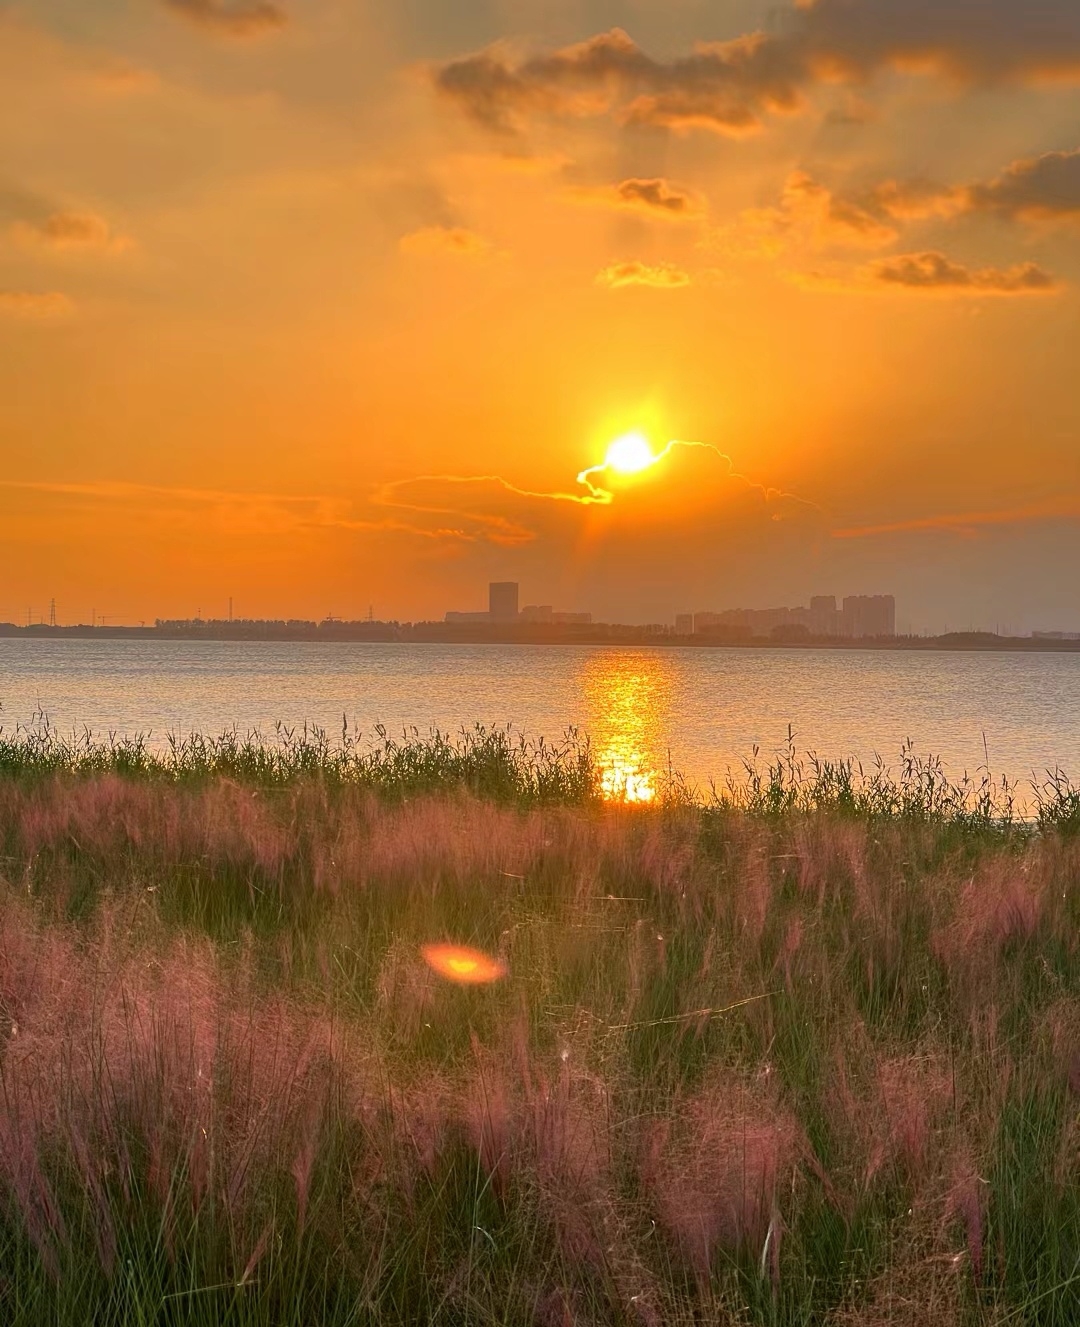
457	241
71	231
968	522
659	276
37	305
488	509
232	18
246	511
810	216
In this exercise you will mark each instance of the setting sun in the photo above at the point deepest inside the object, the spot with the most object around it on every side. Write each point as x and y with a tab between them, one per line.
629	454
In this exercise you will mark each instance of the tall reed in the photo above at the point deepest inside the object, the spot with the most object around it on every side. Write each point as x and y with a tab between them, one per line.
806	1050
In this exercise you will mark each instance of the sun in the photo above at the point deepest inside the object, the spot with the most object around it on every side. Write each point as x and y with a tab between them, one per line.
629	454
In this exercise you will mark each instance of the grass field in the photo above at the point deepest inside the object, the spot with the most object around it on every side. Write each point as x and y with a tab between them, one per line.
804	1049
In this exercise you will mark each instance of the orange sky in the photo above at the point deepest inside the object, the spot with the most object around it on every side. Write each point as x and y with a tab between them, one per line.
323	303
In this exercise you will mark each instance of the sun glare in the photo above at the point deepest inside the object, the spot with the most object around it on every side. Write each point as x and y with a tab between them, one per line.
470	967
629	454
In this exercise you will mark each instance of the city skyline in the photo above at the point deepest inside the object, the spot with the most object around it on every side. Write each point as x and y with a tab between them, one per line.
544	614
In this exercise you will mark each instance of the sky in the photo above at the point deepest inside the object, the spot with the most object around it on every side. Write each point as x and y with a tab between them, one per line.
327	305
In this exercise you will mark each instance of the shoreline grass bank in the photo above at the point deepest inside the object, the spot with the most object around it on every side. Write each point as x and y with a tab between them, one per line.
803	1050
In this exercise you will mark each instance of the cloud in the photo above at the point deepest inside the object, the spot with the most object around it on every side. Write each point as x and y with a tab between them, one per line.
971	41
690	523
809	216
35	305
914	200
969	522
656	194
656	198
731	87
233	512
232	18
72	230
457	241
692	492
726	87
119	77
661	276
1044	188
934	272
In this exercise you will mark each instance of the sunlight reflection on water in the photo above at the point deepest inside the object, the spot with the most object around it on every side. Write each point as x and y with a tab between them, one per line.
628	700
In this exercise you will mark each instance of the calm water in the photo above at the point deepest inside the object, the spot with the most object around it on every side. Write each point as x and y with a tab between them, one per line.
702	709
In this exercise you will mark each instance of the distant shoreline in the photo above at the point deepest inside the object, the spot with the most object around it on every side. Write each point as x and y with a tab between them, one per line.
434	633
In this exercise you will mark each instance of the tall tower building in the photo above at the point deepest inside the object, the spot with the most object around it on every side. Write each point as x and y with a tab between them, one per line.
869	615
824	618
503	601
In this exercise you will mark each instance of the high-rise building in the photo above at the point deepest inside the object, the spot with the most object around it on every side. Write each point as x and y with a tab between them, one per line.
503	601
861	615
869	615
825	620
684	624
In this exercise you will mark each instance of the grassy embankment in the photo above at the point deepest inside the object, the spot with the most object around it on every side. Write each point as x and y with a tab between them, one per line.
805	1051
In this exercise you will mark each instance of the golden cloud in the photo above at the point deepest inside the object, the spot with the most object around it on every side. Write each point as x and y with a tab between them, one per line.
659	276
809	216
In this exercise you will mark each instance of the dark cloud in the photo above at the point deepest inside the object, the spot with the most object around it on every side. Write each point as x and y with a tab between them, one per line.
730	87
933	271
233	18
657	196
978	41
1044	188
725	87
1038	188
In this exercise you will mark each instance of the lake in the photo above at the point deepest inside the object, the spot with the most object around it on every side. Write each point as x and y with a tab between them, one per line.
701	711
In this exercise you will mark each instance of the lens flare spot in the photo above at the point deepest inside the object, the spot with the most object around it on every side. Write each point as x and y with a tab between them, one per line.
630	454
469	967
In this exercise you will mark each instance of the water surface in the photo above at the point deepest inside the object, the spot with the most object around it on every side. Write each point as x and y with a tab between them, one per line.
700	711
